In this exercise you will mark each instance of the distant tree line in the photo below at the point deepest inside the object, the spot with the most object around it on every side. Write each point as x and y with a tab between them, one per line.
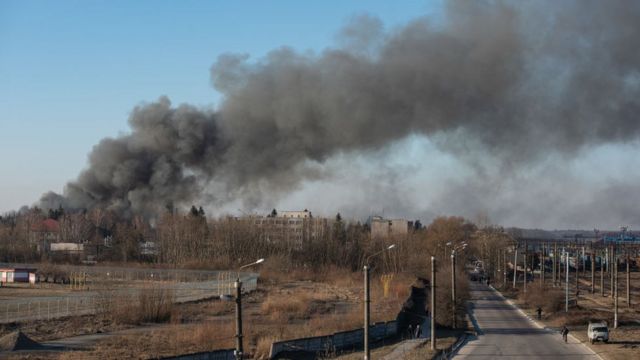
192	239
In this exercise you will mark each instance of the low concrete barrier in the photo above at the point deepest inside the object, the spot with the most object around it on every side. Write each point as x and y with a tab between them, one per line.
227	354
339	341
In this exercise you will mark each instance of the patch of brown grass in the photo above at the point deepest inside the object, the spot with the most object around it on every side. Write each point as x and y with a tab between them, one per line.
173	340
550	299
295	306
263	346
148	305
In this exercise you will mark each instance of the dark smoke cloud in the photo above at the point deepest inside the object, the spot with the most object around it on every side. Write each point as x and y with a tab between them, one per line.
514	81
158	165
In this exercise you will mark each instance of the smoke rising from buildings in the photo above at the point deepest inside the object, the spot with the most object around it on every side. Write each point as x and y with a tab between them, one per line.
513	82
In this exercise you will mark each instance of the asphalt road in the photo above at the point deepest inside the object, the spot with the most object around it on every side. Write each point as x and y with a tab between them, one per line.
503	332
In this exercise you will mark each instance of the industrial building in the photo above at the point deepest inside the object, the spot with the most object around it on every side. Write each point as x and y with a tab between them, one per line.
293	228
387	228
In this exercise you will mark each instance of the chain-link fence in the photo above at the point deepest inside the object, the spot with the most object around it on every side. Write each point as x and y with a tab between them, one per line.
89	302
45	308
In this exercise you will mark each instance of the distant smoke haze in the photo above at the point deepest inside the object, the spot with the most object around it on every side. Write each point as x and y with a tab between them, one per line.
501	86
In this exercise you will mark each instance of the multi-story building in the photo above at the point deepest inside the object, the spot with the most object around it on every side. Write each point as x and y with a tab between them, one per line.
294	228
304	214
386	228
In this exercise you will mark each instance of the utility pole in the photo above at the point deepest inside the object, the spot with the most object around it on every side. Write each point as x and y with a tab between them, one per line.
504	269
542	267
433	303
612	271
584	262
498	268
239	350
453	286
238	285
628	282
593	270
615	288
602	260
577	277
515	268
593	261
367	301
555	260
526	253
566	283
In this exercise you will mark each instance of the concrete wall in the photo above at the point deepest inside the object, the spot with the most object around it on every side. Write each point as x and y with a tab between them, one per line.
335	342
206	355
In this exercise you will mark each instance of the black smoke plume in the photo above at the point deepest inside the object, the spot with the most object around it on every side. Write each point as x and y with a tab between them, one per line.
511	80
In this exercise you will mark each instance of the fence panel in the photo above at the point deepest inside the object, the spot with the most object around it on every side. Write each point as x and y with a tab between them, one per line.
17	310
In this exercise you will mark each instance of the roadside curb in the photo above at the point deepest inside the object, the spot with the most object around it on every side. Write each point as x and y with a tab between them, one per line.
446	353
540	326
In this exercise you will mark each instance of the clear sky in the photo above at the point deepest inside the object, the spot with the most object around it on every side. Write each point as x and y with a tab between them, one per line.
71	71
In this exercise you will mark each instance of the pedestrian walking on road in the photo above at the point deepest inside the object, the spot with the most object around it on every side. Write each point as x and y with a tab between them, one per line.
539	311
565	332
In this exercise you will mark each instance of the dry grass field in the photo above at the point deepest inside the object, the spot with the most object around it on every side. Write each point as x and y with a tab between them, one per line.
286	306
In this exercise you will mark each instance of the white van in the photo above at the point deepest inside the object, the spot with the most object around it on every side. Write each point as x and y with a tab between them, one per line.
598	330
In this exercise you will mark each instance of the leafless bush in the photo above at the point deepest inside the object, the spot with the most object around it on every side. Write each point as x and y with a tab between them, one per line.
52	273
551	300
147	305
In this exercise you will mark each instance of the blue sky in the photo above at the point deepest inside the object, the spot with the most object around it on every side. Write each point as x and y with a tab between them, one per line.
71	71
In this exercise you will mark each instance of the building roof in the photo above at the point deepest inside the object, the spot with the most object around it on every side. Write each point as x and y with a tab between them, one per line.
48	225
18	269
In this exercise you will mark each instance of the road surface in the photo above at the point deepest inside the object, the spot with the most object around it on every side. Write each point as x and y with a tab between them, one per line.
503	332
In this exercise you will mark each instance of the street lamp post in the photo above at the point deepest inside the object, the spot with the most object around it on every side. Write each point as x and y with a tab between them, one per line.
238	285
566	282
367	302
504	269
432	308
453	287
515	267
453	280
526	254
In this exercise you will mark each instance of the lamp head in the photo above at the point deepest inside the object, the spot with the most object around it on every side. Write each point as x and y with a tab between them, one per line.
391	246
260	261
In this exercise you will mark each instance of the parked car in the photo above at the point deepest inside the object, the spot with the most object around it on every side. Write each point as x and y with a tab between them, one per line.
598	330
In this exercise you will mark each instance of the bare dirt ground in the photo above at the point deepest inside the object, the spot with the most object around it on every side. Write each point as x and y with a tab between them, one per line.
284	307
624	342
